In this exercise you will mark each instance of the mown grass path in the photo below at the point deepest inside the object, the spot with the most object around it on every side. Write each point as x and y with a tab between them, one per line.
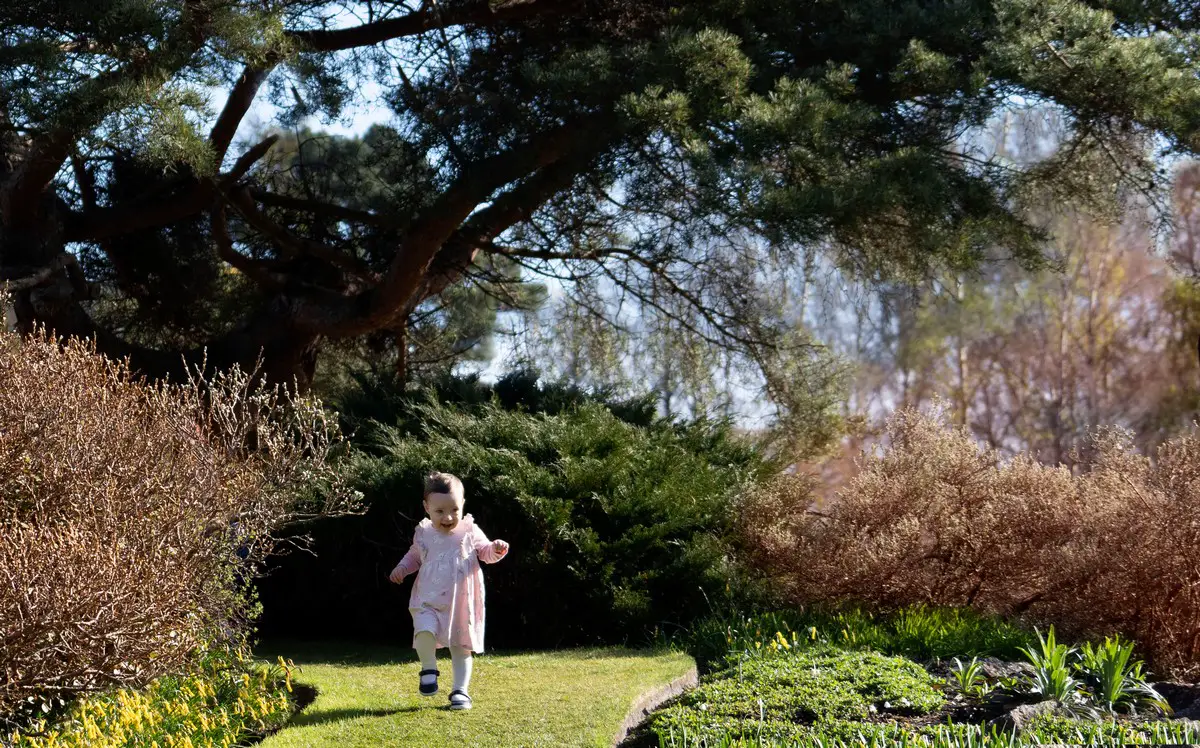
367	697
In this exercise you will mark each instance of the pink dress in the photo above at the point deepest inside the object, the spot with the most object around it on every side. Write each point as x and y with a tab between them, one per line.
447	595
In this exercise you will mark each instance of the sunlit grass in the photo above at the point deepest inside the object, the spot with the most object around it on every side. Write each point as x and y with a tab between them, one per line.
367	697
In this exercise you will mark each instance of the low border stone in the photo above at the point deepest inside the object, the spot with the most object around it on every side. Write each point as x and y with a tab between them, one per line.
650	700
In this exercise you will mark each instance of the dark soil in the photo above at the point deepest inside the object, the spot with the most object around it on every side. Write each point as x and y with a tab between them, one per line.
1184	698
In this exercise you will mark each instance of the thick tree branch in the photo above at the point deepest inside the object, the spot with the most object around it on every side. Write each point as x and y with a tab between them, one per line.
505	211
294	246
107	223
475	13
248	159
471	13
381	306
19	198
192	199
317	207
245	265
239	102
440	221
86	181
20	279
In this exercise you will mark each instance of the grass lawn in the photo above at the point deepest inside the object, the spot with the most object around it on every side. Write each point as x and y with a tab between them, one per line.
368	697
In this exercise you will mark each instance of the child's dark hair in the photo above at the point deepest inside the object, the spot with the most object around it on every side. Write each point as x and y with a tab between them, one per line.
443	483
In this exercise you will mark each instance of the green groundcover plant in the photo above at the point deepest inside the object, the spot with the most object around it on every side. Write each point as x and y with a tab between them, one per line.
780	696
812	678
1043	731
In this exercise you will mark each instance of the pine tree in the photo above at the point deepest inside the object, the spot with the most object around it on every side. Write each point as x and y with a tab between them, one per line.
642	142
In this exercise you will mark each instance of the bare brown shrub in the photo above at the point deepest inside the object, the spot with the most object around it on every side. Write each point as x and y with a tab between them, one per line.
938	519
129	512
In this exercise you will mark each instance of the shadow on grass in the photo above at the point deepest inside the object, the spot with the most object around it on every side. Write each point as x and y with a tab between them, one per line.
320	717
304	695
342	652
335	652
607	653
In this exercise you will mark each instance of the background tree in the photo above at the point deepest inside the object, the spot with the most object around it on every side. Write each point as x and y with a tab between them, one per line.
641	141
1033	362
789	396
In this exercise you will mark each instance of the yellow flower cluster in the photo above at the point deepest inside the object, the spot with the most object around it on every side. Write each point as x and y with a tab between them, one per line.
199	711
778	643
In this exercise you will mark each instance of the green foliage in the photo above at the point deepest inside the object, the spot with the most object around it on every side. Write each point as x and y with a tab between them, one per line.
785	685
919	632
616	529
969	677
371	400
1106	668
780	689
1113	680
1052	669
782	695
1043	731
700	140
1050	728
224	699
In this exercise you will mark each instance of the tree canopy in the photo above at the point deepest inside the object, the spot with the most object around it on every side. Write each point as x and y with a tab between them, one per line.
676	153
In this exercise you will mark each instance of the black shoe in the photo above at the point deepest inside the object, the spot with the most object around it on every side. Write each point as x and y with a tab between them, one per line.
459	699
429	689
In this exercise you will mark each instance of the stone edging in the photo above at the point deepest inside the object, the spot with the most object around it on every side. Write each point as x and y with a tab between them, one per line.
650	700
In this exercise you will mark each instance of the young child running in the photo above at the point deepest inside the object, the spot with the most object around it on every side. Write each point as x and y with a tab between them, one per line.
447	604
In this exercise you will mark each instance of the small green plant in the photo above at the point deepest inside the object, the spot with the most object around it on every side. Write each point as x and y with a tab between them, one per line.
1114	681
1052	669
969	677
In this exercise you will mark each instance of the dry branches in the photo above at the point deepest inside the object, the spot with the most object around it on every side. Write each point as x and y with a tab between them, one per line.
131	516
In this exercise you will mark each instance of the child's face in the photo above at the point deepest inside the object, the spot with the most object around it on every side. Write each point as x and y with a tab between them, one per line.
444	510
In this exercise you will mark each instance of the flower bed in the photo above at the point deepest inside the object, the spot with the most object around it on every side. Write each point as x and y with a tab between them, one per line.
830	685
225	702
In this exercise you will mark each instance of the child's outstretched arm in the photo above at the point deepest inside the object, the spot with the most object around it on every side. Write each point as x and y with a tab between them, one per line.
408	565
489	551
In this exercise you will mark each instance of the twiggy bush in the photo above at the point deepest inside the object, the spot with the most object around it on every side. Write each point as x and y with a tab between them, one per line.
938	519
132	514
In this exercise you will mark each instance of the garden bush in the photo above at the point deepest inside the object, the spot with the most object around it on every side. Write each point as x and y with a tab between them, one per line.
371	399
616	528
938	519
130	513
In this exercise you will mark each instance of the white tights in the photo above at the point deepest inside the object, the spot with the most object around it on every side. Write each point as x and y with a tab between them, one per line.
460	658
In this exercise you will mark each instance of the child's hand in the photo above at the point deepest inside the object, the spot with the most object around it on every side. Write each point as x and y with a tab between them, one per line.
397	575
500	548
